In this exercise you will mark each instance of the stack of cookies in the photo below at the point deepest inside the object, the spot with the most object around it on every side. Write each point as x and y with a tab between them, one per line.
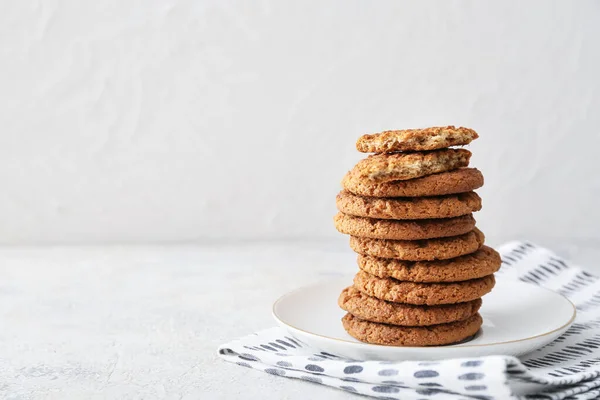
423	265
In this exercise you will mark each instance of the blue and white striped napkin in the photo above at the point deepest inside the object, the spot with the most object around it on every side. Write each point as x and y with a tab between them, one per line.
568	368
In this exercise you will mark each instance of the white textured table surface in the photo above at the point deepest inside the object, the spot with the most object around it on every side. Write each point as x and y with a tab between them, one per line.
145	322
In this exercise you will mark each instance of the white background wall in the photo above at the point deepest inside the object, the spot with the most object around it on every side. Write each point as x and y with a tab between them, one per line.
203	120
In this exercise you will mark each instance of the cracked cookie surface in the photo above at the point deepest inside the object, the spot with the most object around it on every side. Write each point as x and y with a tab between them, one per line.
448	206
483	262
420	250
456	181
390	289
375	310
387	167
403	230
433	138
393	335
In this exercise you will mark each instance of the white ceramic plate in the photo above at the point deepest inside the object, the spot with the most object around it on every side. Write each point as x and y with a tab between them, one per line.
518	318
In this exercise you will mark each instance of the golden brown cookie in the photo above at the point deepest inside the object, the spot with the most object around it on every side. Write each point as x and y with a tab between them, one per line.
438	137
393	335
452	205
422	293
483	262
381	168
450	182
403	230
373	309
420	250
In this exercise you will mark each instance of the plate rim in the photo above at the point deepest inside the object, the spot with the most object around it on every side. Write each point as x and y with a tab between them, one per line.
362	344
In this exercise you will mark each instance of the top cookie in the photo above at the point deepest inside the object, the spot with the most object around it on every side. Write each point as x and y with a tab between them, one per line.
380	168
415	139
